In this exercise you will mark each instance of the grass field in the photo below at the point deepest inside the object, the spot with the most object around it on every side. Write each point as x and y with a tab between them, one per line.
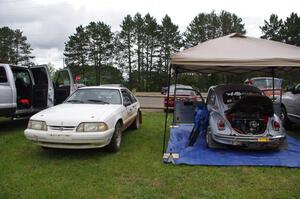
137	171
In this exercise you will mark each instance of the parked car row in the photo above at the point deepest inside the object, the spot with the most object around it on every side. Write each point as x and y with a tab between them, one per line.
94	117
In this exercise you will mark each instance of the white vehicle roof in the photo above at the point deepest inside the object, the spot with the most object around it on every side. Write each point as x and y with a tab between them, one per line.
105	87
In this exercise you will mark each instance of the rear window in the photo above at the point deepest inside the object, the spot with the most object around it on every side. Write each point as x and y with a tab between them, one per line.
234	96
40	76
3	77
187	90
267	83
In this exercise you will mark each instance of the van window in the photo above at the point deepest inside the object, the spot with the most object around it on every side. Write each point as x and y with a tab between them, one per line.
22	76
3	78
40	76
63	78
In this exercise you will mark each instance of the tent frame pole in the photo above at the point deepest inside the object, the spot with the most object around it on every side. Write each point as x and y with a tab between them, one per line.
175	92
273	82
167	108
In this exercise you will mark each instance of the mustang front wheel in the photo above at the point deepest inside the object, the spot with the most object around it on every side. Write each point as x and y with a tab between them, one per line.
115	142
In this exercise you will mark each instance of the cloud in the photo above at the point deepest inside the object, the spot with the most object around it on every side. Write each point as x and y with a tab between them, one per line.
49	55
48	23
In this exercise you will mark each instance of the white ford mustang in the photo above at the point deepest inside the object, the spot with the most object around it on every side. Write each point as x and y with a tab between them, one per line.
92	117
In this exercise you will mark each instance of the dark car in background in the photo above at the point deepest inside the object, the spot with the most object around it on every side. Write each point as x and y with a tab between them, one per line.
265	84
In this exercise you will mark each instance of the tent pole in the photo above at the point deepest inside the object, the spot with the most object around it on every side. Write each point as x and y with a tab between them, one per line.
167	109
273	82
174	99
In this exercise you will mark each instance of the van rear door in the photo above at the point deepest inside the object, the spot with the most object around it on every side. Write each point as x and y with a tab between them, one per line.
43	91
63	86
8	103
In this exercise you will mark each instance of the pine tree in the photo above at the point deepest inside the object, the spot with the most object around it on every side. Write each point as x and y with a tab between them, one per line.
272	29
170	42
139	42
76	48
14	48
100	46
291	30
126	40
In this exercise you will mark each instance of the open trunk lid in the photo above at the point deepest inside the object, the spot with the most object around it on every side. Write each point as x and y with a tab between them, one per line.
253	104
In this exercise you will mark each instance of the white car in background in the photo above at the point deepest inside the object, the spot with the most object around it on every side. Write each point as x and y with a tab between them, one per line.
92	117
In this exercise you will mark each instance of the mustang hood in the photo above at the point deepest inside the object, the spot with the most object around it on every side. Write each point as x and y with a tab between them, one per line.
253	104
73	114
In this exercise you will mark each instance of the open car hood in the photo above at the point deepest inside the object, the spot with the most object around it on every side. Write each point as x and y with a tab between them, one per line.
252	104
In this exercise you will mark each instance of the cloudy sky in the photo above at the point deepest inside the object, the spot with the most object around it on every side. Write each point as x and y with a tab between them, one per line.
48	23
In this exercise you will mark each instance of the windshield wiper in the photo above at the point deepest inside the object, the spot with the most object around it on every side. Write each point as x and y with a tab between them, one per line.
94	100
78	101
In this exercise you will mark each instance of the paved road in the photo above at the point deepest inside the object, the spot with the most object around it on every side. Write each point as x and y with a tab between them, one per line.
153	102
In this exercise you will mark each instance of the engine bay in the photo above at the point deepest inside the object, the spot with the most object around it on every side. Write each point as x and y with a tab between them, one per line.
248	123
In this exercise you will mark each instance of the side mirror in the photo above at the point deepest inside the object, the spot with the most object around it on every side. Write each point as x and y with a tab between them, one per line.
290	89
126	101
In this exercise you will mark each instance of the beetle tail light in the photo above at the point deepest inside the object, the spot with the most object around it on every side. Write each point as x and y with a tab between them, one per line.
221	125
265	119
229	117
276	125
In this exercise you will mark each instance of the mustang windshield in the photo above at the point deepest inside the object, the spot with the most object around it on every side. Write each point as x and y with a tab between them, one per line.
96	95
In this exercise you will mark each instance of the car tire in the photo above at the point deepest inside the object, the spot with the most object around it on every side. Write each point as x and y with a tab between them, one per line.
115	142
209	141
137	122
285	120
46	148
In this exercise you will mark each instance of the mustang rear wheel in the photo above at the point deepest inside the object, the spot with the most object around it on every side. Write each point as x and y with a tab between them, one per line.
115	142
137	122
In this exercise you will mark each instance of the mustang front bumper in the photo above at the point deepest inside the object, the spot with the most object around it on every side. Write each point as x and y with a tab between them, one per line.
69	140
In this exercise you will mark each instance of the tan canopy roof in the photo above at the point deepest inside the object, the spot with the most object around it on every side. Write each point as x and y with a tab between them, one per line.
237	53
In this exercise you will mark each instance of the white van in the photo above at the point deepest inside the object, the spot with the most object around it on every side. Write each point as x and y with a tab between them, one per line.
27	90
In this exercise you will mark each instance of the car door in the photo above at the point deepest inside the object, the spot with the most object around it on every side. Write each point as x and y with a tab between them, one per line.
289	99
63	86
130	106
7	91
296	100
43	91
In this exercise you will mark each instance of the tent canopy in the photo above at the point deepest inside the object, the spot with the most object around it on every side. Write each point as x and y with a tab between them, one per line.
238	54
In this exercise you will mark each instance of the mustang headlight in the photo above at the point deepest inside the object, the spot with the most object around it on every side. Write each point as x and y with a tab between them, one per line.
37	125
92	127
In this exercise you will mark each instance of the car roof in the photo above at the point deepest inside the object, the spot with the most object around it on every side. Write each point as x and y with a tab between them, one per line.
256	78
222	88
104	87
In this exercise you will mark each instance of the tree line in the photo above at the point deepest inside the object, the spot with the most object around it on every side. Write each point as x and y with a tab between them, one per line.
138	54
142	47
14	48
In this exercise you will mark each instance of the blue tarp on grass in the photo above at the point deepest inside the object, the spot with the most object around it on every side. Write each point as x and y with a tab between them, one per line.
199	154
